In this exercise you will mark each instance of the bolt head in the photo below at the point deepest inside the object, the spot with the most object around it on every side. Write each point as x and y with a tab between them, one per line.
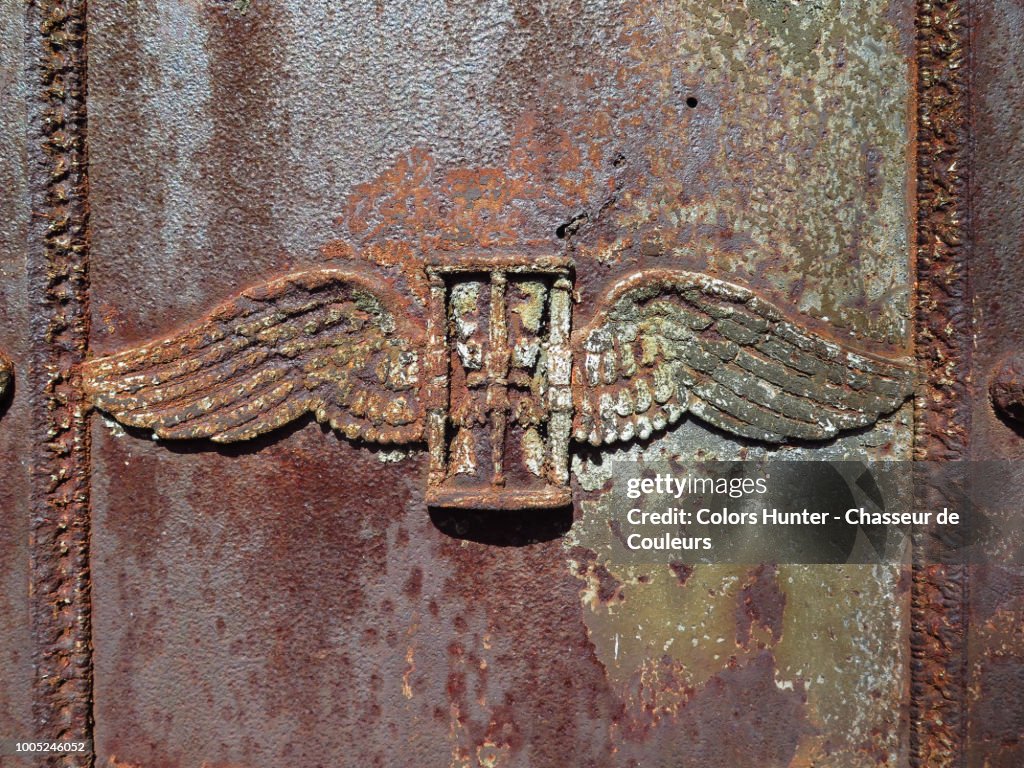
1007	387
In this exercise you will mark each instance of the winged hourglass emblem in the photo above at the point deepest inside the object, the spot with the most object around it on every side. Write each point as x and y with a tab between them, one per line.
494	381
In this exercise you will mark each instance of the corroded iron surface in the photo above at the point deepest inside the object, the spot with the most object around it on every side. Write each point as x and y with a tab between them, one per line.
761	144
290	597
499	382
994	666
16	673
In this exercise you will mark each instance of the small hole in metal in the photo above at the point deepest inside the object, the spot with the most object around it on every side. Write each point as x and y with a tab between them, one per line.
691	102
569	227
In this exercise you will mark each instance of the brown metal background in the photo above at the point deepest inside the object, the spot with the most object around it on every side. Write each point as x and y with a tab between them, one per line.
242	595
293	599
15	424
995	641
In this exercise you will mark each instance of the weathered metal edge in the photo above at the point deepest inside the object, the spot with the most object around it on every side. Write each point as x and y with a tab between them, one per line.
6	376
942	416
58	273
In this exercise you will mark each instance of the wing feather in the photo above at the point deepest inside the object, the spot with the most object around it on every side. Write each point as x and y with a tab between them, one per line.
277	416
225	418
667	342
327	341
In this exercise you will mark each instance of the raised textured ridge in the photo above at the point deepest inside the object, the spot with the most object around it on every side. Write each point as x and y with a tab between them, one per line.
59	274
941	423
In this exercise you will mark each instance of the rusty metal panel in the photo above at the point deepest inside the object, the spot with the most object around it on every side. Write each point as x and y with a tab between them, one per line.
15	636
269	527
246	597
995	658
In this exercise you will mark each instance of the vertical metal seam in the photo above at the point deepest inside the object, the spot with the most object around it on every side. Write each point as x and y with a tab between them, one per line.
436	376
497	375
560	399
58	275
942	418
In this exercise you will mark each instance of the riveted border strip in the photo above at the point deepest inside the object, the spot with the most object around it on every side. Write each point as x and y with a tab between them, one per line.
58	264
942	417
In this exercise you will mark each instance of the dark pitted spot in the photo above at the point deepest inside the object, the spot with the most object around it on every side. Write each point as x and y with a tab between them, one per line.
1007	388
569	227
682	572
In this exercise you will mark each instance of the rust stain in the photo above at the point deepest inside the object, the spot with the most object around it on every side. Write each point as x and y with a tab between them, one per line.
762	604
113	762
682	572
996	676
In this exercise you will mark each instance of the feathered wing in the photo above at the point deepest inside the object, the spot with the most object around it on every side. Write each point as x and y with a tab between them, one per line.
324	341
668	342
